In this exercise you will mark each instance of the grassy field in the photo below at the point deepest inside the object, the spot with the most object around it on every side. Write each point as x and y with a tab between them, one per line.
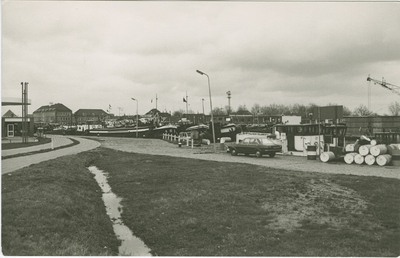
8	146
55	209
74	142
186	207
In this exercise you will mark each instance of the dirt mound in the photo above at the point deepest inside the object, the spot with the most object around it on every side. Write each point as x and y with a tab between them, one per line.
316	202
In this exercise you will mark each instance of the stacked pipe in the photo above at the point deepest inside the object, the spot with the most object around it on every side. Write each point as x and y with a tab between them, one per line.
372	153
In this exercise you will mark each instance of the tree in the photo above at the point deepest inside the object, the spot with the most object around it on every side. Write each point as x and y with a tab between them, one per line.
362	110
256	109
228	109
178	113
394	108
275	110
346	111
242	108
218	111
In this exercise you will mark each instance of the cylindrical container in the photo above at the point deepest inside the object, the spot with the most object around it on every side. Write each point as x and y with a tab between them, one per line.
383	160
369	159
374	142
349	157
350	148
391	147
311	152
364	150
396	158
378	150
327	156
359	159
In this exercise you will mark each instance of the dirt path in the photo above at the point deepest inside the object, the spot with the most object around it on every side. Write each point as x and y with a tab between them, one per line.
160	147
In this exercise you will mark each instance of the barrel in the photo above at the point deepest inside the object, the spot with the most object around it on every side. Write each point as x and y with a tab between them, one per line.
311	152
364	150
327	156
349	157
359	159
374	142
350	147
396	158
391	147
369	159
378	150
383	160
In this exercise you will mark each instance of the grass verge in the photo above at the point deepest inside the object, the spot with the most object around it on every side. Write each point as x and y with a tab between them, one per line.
55	208
74	142
15	145
188	207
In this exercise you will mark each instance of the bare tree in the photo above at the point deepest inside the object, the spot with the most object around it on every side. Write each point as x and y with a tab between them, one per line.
219	111
256	109
362	110
394	108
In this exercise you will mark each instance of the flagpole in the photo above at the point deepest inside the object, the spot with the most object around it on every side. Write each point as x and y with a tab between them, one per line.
187	100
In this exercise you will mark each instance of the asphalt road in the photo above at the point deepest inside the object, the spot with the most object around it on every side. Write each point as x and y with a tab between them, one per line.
161	147
12	164
295	163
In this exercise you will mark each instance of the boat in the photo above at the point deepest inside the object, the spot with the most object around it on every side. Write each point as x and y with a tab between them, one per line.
158	132
139	132
298	138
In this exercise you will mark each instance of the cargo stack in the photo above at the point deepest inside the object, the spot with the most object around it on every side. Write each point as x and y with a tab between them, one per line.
373	153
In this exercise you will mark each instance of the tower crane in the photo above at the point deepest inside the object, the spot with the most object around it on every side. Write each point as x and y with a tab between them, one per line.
384	84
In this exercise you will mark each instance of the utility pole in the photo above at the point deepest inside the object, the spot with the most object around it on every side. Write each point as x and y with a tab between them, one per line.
25	127
229	102
156	101
202	100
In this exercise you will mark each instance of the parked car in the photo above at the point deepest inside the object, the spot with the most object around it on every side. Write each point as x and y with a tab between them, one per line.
255	145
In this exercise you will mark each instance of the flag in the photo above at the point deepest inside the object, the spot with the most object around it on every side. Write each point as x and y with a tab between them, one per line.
109	106
151	100
184	100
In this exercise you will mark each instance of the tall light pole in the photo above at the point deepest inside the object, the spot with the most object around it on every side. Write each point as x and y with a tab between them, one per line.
212	117
137	116
229	102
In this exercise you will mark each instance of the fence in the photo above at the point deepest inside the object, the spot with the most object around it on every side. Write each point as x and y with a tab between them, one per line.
177	138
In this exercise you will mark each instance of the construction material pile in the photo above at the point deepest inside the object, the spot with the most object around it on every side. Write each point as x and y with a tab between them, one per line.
371	152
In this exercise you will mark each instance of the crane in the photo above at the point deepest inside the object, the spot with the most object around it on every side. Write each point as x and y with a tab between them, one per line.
384	84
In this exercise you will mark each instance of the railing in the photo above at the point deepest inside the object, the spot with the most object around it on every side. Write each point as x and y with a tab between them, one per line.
177	138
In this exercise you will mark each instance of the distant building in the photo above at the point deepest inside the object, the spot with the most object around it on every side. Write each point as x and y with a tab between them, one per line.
11	125
93	116
54	114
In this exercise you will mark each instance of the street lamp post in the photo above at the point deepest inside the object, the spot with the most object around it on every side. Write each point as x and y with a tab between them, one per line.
137	116
212	117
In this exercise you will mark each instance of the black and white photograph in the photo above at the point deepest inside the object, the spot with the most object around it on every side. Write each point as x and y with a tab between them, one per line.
200	128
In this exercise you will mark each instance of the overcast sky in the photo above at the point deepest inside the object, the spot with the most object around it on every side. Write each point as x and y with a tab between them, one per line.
95	54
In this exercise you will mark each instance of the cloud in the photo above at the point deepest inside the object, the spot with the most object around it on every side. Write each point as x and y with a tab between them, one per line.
93	54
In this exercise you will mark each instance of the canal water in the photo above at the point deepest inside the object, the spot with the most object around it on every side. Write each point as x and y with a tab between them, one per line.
130	245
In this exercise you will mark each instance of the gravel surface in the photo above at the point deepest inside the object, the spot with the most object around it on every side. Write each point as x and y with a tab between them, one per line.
288	162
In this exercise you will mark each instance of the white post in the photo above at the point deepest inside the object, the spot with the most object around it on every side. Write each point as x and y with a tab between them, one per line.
52	144
192	143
